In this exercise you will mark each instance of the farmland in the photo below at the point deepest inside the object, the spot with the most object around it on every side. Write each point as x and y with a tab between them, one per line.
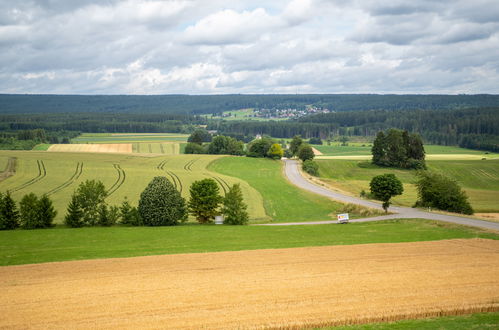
227	290
57	174
480	179
61	244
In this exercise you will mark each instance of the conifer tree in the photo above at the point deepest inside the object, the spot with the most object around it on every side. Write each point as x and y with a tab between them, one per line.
234	208
9	216
74	216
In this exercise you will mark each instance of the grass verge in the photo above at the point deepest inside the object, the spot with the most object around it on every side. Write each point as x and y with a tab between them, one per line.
462	322
61	244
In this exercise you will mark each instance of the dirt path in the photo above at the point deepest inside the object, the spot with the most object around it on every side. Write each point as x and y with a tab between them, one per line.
301	287
295	177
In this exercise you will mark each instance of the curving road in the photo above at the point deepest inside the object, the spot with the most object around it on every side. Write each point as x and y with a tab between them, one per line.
294	176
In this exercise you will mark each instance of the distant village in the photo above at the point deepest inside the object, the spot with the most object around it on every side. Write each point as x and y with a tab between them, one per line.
289	113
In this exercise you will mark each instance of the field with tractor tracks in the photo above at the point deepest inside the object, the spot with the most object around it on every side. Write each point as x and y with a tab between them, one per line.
285	288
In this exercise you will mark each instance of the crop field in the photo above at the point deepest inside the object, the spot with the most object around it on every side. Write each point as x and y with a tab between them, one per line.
129	138
58	175
300	287
102	147
480	179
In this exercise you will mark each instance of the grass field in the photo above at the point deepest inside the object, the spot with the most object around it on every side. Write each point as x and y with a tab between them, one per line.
241	114
432	151
285	288
58	175
282	200
462	322
61	244
480	179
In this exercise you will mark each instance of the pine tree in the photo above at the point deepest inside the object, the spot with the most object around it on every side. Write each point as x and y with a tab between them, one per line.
74	217
28	212
9	216
46	212
234	208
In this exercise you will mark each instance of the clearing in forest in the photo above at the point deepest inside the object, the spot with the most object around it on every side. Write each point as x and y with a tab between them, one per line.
300	287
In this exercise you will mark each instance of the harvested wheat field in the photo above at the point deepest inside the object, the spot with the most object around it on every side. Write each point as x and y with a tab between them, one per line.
285	288
101	147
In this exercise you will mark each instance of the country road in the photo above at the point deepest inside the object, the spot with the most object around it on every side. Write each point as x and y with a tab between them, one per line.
294	176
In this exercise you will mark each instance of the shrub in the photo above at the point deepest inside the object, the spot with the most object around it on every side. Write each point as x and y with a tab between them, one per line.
311	167
275	151
129	215
194	148
234	208
438	191
160	204
305	152
384	187
204	200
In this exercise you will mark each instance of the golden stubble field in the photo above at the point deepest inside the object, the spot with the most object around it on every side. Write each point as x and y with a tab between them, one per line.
284	288
103	147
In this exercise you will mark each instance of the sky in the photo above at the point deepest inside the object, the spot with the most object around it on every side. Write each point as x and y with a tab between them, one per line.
247	47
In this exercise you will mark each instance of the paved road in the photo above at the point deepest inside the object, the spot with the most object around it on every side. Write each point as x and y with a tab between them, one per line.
293	175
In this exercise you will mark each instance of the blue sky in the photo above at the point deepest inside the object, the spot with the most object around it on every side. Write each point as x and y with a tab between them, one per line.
219	46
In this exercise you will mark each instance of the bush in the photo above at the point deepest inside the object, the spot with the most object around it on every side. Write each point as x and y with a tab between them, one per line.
129	215
305	152
9	216
234	208
194	148
384	187
160	204
315	140
260	147
275	151
311	167
438	191
205	200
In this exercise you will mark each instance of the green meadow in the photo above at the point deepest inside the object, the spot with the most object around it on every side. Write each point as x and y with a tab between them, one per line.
60	244
479	178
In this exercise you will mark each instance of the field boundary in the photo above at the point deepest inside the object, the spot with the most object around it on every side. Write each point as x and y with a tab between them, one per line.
72	179
42	173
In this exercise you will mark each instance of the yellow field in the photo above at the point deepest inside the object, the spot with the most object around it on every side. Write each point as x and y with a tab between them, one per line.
285	288
104	147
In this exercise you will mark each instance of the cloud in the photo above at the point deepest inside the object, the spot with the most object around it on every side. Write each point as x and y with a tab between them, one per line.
242	46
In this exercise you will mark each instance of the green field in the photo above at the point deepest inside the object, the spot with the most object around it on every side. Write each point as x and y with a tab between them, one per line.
156	148
364	149
45	245
480	179
58	174
241	114
462	322
282	200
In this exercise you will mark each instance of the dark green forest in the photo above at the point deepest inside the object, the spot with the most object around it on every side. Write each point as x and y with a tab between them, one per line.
206	104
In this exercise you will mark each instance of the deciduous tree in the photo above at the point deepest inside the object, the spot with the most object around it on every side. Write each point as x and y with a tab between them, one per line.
204	200
384	187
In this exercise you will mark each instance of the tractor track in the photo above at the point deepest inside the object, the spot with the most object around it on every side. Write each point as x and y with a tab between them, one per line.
10	169
176	180
42	173
121	179
72	179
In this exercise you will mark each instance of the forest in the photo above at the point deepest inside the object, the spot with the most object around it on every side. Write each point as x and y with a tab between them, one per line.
215	104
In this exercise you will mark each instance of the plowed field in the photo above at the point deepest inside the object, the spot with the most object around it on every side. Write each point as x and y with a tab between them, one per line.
256	289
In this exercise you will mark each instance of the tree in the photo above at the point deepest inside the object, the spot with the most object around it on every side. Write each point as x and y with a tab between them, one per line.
225	145
260	147
378	150
199	136
344	140
46	212
91	195
315	140
129	215
275	151
384	187
398	149
28	212
305	152
234	208
74	215
204	200
9	216
295	144
438	191
160	204
311	167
